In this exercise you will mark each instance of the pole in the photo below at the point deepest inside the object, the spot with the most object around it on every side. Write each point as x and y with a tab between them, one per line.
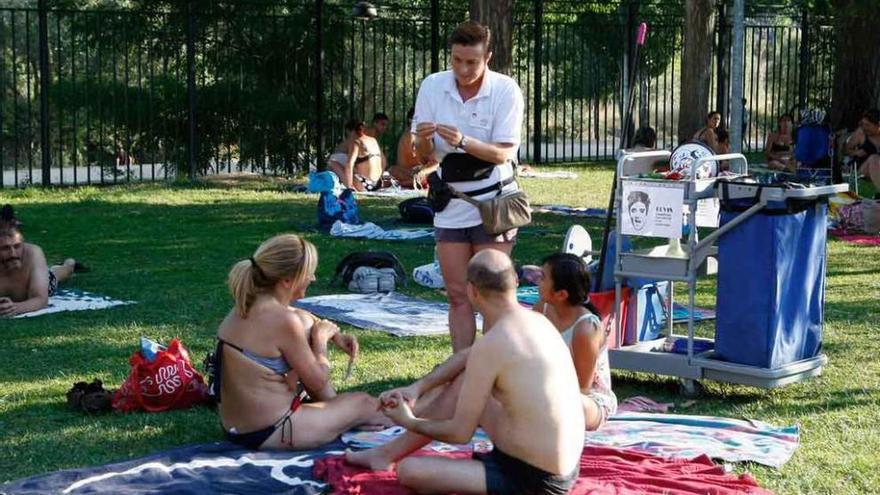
44	93
804	72
736	76
191	86
536	96
435	36
640	40
319	82
721	63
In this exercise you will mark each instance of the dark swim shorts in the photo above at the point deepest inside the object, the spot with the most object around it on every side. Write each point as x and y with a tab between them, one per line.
506	475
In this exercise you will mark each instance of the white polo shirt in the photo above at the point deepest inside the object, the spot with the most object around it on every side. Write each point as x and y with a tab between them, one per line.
494	115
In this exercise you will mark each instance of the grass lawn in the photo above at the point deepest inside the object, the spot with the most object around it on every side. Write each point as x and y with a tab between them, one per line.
170	248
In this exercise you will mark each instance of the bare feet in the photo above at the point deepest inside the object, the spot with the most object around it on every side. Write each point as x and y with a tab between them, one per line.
372	459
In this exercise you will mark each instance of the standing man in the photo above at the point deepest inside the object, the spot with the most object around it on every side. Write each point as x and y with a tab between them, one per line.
26	281
469	120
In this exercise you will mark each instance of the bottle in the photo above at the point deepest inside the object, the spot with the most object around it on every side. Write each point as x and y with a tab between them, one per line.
674	250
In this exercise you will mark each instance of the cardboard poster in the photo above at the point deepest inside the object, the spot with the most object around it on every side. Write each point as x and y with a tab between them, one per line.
652	209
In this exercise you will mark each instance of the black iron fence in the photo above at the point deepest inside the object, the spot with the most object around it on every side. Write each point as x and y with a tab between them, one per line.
104	96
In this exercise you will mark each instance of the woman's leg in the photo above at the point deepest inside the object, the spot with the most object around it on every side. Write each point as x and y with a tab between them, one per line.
454	257
322	422
343	172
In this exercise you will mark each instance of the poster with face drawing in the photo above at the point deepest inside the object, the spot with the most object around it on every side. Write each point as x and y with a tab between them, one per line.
652	209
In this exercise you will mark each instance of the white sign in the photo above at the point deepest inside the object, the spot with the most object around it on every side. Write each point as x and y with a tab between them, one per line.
652	209
708	212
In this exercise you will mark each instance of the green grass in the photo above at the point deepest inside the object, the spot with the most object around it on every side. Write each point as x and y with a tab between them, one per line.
170	249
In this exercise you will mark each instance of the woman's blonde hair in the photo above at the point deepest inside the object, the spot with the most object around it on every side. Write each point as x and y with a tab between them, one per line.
286	255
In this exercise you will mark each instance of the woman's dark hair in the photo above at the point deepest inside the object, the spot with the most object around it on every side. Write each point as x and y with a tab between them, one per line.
722	135
713	112
570	273
353	124
872	115
646	136
9	224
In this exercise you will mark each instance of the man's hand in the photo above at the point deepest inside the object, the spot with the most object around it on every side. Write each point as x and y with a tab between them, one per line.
450	134
392	397
7	307
426	130
398	410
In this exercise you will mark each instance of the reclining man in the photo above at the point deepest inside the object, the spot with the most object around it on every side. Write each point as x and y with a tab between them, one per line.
25	281
511	382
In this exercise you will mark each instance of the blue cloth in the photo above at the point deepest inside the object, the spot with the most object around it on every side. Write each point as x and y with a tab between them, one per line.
220	467
771	287
812	145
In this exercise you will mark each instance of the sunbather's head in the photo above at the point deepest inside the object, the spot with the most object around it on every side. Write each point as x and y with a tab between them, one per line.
491	273
285	264
11	241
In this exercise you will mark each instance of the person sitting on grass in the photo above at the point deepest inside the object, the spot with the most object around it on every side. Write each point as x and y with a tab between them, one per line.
26	282
358	160
864	146
410	170
511	382
779	148
270	356
564	300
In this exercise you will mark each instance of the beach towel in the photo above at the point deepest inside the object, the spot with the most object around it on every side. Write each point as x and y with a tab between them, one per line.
74	300
220	467
860	239
603	471
559	174
666	435
394	313
393	193
570	211
372	231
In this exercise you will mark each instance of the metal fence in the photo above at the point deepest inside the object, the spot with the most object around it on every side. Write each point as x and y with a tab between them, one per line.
107	96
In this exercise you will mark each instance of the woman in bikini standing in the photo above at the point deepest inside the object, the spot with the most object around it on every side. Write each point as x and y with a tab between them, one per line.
358	160
270	356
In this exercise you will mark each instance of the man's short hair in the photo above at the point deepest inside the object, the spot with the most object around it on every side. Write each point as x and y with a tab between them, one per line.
9	224
492	279
471	33
379	116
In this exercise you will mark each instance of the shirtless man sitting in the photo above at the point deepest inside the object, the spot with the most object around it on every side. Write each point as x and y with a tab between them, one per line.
26	282
511	382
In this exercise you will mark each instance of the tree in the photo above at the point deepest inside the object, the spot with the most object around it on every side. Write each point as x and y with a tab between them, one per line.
857	61
696	64
498	15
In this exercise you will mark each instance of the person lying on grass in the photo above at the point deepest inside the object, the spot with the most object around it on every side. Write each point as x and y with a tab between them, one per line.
511	382
564	300
270	357
26	282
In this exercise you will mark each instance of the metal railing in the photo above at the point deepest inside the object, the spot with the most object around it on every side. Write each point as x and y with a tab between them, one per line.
107	96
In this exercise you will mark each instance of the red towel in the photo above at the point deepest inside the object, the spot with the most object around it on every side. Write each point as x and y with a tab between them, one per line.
604	471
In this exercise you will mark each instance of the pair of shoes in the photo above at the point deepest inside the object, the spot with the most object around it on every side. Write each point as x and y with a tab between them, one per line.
89	397
80	268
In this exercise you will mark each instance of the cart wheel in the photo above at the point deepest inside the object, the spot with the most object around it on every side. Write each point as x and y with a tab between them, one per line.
690	388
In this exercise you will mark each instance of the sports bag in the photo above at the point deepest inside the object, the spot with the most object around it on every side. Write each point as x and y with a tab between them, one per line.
374	259
416	210
169	381
332	208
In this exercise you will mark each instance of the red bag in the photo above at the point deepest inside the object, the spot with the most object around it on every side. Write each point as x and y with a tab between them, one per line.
167	382
604	302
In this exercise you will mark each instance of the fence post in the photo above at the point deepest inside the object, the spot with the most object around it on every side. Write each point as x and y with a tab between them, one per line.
722	70
536	93
435	36
319	82
44	93
629	67
191	86
804	71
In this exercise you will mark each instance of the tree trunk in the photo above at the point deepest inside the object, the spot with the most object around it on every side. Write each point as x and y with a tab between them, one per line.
857	61
696	66
498	15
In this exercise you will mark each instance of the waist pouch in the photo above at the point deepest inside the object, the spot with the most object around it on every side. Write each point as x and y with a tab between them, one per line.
502	212
463	167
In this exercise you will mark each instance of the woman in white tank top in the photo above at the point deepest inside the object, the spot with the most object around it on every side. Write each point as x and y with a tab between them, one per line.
564	300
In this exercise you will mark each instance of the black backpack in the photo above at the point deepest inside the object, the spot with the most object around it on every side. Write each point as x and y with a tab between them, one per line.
375	259
416	210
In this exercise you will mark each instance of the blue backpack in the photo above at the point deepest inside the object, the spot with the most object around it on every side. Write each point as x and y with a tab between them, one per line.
332	208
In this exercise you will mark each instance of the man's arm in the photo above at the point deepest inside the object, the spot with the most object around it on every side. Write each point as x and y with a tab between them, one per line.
441	374
479	379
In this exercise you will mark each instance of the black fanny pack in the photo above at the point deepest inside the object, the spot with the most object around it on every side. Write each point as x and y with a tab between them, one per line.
463	167
439	193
